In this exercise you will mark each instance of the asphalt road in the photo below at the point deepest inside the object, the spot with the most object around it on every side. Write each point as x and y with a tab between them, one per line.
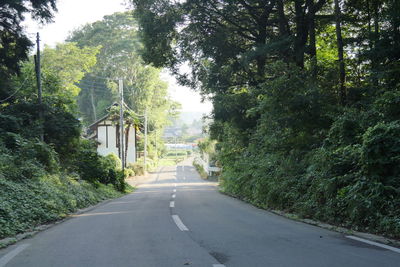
177	219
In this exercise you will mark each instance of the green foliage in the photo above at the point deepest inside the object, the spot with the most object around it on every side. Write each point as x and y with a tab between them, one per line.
305	99
380	155
14	44
26	204
70	63
120	56
200	170
137	168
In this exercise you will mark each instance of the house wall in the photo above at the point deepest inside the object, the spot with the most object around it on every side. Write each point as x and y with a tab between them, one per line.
131	155
107	138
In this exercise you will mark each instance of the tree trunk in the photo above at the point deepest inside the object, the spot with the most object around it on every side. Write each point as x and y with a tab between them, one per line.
93	104
118	141
128	127
312	44
339	39
301	33
284	29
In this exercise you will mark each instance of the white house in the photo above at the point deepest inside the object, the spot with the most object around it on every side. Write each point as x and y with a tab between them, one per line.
106	133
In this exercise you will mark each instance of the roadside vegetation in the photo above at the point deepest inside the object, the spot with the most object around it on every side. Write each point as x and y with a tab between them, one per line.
305	97
199	168
47	169
173	157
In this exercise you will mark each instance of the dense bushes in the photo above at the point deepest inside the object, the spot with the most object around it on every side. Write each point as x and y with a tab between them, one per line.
42	181
25	204
339	166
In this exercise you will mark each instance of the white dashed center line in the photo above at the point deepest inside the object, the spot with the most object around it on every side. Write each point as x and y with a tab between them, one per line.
218	265
174	190
172	204
173	196
179	223
10	255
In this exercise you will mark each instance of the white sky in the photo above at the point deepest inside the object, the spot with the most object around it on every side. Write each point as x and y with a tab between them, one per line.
74	13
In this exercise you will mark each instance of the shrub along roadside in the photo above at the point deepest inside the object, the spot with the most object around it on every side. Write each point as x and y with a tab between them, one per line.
25	204
200	170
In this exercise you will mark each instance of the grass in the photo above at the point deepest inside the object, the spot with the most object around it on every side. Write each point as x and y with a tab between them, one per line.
166	162
172	158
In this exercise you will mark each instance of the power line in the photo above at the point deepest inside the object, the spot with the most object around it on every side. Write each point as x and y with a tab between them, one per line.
100	77
15	92
98	88
91	83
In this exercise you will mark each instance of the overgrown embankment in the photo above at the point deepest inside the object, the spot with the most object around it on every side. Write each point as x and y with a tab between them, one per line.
339	166
26	204
43	181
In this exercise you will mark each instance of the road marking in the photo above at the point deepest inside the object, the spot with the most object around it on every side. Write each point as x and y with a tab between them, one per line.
174	190
218	265
172	204
175	185
179	223
374	243
173	196
10	255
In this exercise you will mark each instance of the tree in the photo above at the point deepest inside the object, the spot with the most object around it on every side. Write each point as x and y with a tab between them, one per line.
70	63
120	56
14	43
305	92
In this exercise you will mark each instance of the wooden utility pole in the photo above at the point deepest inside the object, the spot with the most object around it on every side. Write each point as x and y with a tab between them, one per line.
145	140
39	82
121	121
155	133
38	69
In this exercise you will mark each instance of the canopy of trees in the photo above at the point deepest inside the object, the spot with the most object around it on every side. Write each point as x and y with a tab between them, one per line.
305	96
119	56
14	43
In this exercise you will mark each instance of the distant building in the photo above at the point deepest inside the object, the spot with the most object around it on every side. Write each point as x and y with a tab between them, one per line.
106	132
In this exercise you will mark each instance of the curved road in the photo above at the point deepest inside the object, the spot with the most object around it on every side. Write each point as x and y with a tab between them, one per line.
176	219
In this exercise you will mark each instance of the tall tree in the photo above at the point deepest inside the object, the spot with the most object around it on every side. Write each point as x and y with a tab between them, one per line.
120	56
339	39
14	43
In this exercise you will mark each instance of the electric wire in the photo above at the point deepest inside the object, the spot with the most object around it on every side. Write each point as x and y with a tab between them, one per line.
15	92
100	77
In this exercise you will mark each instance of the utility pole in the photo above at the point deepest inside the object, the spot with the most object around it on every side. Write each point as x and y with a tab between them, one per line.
121	121
155	132
39	81
38	69
145	140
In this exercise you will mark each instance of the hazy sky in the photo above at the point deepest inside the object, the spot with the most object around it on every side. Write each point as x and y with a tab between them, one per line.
74	13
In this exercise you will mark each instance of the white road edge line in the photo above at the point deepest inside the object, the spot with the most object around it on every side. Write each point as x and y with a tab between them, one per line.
10	255
174	190
374	243
172	204
218	265
179	223
173	196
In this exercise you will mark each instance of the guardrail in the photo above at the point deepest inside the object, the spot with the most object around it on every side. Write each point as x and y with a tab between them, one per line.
207	168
